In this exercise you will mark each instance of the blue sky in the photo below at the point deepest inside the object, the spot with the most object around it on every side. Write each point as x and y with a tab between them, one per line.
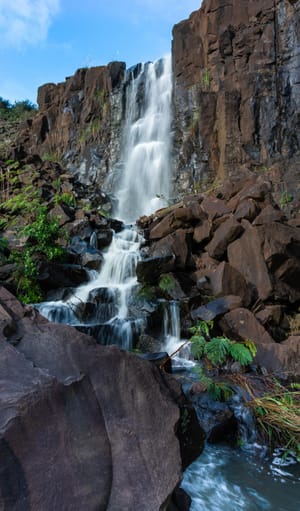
46	40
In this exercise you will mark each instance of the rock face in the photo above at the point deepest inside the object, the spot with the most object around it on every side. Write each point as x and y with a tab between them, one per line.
82	426
79	121
235	103
237	90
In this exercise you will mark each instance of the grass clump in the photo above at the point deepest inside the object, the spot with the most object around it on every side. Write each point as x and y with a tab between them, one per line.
278	416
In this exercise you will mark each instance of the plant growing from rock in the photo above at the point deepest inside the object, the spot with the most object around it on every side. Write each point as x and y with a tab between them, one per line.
219	350
42	235
166	282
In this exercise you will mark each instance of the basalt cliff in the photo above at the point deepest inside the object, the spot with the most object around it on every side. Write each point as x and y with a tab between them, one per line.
236	101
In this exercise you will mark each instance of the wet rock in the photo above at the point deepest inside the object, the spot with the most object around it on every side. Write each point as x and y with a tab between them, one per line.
216	308
148	270
104	238
91	259
223	236
80	228
55	275
241	324
180	501
160	359
148	344
77	246
218	420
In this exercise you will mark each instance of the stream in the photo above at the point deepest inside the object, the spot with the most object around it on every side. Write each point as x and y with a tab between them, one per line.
222	479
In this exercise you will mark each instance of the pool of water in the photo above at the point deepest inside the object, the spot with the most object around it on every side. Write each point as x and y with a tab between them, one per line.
225	479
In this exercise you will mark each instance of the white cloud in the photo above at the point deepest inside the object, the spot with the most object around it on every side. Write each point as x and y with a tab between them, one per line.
26	22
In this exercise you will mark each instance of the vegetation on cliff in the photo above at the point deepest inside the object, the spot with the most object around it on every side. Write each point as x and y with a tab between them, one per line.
19	110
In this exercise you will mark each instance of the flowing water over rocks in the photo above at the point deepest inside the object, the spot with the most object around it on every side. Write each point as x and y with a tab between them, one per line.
101	307
222	478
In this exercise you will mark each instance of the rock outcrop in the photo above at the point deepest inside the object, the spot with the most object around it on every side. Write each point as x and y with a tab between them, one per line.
82	426
241	271
79	122
237	91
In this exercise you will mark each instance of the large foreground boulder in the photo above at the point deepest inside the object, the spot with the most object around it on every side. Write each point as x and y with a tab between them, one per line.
82	426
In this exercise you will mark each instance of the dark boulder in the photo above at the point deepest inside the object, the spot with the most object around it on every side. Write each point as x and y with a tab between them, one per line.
246	255
216	308
56	275
226	280
149	269
241	324
224	235
281	360
104	442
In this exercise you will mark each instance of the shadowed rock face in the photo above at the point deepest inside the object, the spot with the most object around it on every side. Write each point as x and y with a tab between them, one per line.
237	89
81	426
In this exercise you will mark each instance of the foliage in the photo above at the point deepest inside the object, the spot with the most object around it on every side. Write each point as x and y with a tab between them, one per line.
166	283
4	251
17	111
146	293
41	245
285	199
54	156
217	350
218	390
24	200
65	197
43	234
278	416
205	80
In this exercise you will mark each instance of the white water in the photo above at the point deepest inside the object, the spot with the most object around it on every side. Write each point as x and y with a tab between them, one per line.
146	175
145	184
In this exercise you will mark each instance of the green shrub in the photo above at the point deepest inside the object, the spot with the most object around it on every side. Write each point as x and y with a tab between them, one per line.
41	246
219	350
18	111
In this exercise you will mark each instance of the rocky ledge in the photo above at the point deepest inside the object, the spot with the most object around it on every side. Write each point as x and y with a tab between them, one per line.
84	426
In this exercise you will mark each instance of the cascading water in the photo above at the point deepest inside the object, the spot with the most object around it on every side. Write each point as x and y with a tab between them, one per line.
142	188
221	479
145	183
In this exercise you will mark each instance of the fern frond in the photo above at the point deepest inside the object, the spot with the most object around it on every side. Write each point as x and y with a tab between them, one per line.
217	350
240	353
198	345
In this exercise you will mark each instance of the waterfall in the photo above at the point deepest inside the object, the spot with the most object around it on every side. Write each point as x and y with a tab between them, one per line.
142	188
145	183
